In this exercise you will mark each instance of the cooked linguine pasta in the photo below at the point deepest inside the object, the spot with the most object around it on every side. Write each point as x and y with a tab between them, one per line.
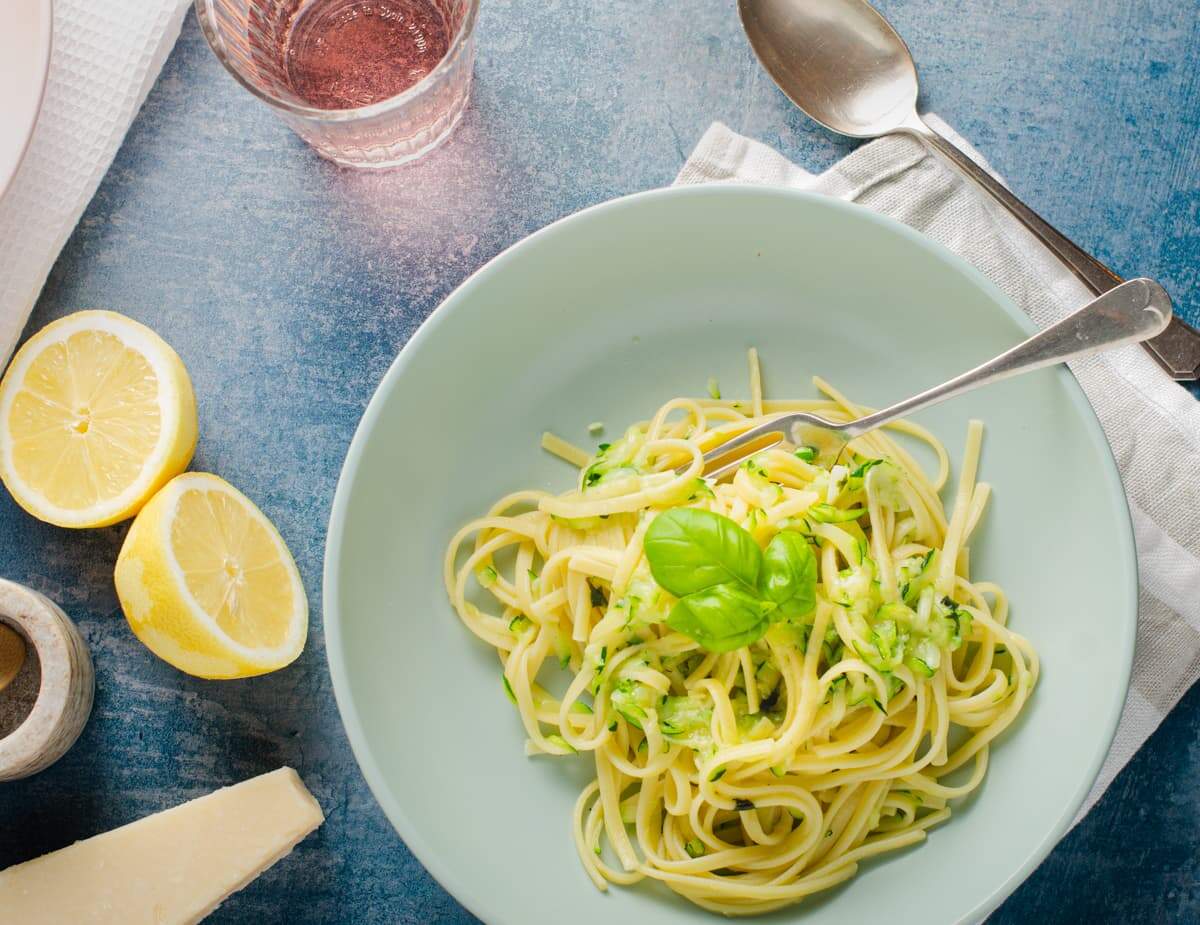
777	676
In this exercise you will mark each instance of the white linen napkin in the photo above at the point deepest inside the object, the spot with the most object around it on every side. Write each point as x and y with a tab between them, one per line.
1152	424
106	57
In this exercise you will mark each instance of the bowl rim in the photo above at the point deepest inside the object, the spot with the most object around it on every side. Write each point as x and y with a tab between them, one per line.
41	55
446	873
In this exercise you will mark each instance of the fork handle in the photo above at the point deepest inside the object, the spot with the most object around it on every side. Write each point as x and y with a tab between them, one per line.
1176	350
1132	312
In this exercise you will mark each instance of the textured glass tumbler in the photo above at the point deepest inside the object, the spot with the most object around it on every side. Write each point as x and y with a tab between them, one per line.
247	36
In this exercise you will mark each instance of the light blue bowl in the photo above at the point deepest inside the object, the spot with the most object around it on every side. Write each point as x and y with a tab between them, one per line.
602	317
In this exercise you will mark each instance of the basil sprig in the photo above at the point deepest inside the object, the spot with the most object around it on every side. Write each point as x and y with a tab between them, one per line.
729	590
690	550
789	575
722	618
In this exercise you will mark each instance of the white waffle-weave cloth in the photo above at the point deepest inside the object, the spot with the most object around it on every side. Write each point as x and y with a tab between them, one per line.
106	58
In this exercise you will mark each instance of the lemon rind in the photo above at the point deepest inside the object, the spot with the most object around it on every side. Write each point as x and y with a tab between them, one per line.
168	369
293	644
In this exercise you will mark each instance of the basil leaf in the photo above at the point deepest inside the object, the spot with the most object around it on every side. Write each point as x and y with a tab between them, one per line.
722	618
690	550
789	574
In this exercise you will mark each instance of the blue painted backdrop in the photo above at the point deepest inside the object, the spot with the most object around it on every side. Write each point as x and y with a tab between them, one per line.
288	285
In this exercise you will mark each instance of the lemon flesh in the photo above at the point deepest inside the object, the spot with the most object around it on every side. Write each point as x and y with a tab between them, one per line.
96	414
208	584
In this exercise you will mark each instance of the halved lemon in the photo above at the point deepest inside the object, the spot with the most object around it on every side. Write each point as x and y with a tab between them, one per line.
208	584
96	414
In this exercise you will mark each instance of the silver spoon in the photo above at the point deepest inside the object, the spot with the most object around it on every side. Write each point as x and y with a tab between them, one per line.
1132	312
843	64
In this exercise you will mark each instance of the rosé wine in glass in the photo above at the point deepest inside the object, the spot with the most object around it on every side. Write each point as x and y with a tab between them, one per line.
368	83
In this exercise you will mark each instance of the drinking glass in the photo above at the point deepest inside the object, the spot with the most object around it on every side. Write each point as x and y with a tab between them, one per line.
248	37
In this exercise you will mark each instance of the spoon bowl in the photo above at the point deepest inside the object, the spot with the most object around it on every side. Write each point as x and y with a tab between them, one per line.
845	66
842	63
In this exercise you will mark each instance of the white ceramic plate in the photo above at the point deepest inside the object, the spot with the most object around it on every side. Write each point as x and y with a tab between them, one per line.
26	27
602	317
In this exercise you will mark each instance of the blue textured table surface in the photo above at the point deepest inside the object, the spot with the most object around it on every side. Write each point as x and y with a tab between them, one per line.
288	286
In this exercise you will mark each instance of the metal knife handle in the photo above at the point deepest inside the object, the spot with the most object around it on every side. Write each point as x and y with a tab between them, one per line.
1177	349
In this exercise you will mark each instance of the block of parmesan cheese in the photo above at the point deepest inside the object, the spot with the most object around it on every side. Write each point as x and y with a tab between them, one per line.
173	867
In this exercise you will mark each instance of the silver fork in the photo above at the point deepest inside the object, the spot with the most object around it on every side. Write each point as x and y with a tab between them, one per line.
1134	311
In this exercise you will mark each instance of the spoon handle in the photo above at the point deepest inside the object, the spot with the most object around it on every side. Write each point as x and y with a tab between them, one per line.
1177	349
1131	312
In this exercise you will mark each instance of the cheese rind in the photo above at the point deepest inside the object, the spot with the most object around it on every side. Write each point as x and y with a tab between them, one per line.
172	868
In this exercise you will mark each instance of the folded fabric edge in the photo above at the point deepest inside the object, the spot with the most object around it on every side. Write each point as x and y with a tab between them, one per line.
158	47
